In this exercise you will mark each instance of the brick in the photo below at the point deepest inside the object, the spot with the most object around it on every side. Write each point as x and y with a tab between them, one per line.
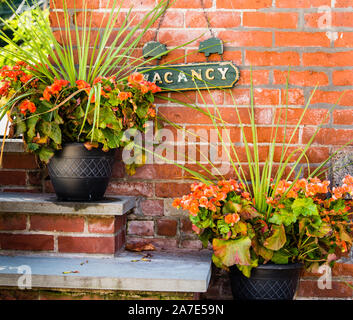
57	19
342	269
278	20
267	134
98	19
309	288
179	37
101	224
195	56
344	40
261	96
9	221
57	223
218	19
64	39
167	227
328	59
120	223
31	242
191	244
301	78
19	161
311	116
158	171
317	154
185	115
148	4
344	117
246	38
175	56
69	244
169	190
342	77
118	169
341	98
141	228
186	225
16	178
262	115
130	188
343	3
301	39
186	97
243	4
152	207
203	133
191	4
292	97
214	97
272	58
328	136
302	3
324	19
258	77
73	4
120	240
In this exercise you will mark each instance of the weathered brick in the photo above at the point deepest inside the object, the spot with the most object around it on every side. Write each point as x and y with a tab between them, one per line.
130	188
152	207
167	227
310	288
15	178
278	20
101	224
302	3
141	228
57	223
31	242
272	58
10	221
70	244
243	4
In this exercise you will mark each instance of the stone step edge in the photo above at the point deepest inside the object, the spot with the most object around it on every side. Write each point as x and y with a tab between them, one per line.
47	203
163	272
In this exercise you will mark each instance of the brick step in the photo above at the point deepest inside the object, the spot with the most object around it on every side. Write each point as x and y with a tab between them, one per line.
40	223
337	286
128	271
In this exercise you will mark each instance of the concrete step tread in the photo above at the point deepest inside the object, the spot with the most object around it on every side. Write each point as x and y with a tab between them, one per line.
47	203
163	271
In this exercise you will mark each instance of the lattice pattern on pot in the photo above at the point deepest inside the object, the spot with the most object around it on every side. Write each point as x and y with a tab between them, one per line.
266	289
81	168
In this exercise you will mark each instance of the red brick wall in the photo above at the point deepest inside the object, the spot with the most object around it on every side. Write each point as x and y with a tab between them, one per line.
313	37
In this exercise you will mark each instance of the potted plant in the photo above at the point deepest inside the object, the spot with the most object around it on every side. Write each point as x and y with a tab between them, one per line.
266	252
71	100
269	222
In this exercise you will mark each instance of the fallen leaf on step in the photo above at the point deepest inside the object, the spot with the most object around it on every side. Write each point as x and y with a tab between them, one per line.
140	246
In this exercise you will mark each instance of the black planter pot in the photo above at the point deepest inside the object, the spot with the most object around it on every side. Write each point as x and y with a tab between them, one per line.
267	282
78	174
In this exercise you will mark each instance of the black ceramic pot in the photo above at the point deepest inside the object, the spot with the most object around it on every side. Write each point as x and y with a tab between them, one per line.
267	282
78	174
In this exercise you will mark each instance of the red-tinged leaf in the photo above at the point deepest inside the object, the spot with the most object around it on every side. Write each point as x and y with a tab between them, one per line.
277	239
89	145
140	246
231	252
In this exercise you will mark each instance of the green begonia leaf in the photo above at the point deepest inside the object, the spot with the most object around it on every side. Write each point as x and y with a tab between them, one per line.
305	207
231	252
278	238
